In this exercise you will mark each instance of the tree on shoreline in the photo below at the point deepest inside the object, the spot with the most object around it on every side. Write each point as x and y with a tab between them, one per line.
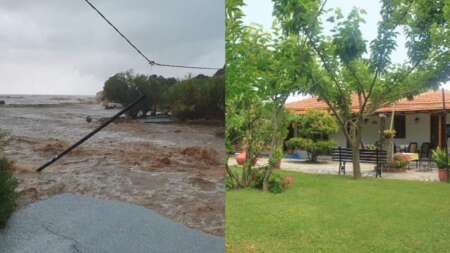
339	68
199	97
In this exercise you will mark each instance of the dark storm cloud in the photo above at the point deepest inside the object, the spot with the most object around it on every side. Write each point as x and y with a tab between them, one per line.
63	46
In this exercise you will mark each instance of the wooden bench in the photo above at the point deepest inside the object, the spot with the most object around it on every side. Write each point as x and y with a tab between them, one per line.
374	156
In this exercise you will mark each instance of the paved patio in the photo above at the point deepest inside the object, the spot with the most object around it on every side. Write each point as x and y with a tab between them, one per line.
326	166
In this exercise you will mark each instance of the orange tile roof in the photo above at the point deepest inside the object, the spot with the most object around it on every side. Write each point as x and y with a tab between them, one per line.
427	101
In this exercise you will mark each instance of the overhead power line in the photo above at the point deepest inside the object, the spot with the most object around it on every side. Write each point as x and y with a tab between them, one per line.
151	62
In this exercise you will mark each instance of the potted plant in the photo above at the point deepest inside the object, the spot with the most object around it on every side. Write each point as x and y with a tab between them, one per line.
399	163
440	158
276	157
389	133
241	157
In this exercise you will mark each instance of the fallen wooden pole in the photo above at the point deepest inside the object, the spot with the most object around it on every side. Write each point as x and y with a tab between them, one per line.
85	138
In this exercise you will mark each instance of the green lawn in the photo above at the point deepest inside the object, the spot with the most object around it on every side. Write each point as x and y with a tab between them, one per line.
321	213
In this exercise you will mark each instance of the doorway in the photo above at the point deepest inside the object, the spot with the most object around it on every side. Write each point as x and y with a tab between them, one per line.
437	125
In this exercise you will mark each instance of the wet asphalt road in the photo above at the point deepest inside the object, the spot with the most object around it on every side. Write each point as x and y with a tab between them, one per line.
67	224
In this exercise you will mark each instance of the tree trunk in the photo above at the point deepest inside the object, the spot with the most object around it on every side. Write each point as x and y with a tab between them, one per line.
356	160
355	141
274	159
247	166
230	173
267	174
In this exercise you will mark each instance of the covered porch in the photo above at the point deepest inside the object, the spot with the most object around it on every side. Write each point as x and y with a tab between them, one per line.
422	124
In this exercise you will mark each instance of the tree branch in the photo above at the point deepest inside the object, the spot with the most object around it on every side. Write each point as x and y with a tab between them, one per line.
382	54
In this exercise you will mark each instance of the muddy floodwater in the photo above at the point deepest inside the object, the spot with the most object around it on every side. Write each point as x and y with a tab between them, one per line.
174	169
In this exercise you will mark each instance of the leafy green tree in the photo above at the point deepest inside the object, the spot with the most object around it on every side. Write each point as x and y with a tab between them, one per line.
246	116
201	97
124	88
279	79
344	64
262	70
314	127
193	98
157	90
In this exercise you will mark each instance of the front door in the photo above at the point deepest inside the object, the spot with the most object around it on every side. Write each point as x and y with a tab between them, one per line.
437	130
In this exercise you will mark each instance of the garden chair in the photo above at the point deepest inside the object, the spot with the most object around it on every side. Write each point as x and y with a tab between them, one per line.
425	155
412	147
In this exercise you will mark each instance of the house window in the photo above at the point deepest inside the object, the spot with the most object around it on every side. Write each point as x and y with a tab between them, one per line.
400	126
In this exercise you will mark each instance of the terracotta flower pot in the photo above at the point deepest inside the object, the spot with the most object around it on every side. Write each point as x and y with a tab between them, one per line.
290	180
443	175
240	159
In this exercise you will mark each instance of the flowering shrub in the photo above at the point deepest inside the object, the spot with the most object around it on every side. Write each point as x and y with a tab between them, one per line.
399	161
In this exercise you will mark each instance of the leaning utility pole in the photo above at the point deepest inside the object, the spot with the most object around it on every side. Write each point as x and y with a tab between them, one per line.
85	138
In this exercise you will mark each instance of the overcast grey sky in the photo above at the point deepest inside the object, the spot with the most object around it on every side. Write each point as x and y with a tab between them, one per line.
260	12
64	47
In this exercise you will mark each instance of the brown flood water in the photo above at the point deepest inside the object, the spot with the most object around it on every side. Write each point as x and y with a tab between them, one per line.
174	169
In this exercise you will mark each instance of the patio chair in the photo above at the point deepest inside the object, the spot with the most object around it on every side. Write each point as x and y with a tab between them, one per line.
425	155
412	147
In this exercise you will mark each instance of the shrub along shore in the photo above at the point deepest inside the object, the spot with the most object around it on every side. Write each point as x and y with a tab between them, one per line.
199	97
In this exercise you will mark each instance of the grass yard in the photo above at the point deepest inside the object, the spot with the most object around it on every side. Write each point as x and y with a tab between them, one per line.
320	213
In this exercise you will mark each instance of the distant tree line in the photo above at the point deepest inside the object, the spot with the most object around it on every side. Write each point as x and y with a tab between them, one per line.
199	97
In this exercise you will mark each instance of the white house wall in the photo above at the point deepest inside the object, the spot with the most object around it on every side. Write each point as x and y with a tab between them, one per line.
416	131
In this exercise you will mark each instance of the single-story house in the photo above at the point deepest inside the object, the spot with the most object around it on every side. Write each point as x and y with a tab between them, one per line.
419	120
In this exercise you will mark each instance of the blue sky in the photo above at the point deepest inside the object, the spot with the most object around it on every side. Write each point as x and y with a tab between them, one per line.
260	12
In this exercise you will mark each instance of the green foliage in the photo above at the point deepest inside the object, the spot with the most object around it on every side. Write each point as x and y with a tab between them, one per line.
439	156
371	146
389	133
247	116
7	184
277	183
316	124
124	88
7	191
200	97
276	155
338	69
399	161
314	127
313	147
229	183
193	98
261	73
348	38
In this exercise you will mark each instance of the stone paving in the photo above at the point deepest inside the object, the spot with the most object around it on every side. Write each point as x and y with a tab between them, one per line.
326	166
